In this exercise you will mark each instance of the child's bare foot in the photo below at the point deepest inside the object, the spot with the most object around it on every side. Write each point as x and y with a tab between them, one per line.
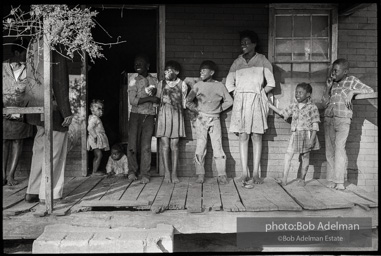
222	179
167	179
243	178
11	181
339	186
282	182
249	184
331	184
300	183
257	180
175	179
98	174
145	180
200	178
132	176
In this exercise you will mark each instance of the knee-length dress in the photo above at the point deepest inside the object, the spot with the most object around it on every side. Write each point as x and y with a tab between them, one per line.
247	80
170	118
14	89
102	140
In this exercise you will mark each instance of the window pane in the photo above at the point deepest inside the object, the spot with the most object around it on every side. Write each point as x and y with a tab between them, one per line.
282	71
301	49
283	50
302	26
320	49
300	71
319	72
320	26
283	26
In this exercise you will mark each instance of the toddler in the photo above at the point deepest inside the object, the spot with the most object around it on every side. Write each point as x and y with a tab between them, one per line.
117	162
97	140
304	125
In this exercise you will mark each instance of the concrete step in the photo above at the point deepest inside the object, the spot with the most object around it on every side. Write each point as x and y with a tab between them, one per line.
64	238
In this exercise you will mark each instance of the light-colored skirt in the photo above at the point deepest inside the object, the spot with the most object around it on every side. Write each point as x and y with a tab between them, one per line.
299	142
102	142
170	121
249	114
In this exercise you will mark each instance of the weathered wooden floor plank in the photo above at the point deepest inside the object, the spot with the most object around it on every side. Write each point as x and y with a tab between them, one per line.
11	200
253	199
273	192
9	190
150	191
211	195
364	194
23	206
163	197
133	191
352	197
230	198
117	189
304	197
329	197
77	194
194	196
179	194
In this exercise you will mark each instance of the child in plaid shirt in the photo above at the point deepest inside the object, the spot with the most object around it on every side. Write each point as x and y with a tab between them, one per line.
304	126
337	98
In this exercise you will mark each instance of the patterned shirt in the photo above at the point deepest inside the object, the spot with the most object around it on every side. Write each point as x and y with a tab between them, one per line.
118	166
136	90
339	92
302	118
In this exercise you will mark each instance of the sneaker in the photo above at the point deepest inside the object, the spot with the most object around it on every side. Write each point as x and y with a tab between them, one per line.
31	198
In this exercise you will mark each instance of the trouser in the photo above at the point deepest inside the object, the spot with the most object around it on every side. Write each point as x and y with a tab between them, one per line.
37	181
140	131
209	125
336	133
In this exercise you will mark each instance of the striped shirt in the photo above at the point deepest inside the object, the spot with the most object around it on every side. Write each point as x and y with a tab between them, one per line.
339	92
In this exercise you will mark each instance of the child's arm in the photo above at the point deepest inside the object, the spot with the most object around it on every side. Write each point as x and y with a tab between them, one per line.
276	110
357	88
228	100
184	90
91	127
109	167
189	100
326	93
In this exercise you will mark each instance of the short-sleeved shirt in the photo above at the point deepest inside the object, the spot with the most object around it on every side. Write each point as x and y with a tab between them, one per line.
339	92
302	118
118	166
136	90
250	76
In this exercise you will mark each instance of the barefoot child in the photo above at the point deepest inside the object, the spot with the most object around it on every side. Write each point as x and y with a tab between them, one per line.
170	120
117	162
338	114
97	140
213	98
304	125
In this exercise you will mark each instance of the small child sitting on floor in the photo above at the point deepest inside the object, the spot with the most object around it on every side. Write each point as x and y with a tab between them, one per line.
117	162
304	126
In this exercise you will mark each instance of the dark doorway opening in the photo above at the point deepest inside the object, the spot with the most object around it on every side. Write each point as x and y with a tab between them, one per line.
139	29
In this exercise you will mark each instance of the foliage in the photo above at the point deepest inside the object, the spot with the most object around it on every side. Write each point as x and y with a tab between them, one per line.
70	28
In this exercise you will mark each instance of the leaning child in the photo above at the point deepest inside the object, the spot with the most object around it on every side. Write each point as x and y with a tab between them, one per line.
304	126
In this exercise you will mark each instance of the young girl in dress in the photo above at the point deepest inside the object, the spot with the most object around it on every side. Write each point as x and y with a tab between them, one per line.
170	120
304	126
97	139
250	77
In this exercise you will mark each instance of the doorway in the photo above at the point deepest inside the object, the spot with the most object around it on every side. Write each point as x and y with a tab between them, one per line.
139	28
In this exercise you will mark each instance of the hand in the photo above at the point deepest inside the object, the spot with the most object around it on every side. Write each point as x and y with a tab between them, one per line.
7	116
348	100
310	143
67	121
155	99
110	174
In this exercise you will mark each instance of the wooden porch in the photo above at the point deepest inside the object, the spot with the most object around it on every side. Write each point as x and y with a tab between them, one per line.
188	206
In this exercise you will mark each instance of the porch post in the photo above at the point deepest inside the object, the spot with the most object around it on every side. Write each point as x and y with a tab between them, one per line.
48	122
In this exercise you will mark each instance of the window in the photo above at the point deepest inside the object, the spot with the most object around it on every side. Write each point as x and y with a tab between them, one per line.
302	45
